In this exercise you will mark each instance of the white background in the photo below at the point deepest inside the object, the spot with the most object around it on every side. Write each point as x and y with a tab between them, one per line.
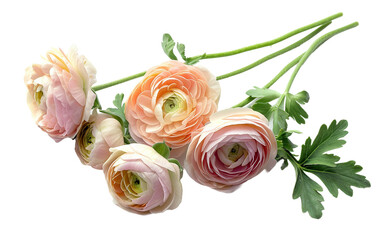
46	193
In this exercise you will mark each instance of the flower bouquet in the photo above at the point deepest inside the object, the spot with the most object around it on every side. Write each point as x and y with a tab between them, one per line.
170	122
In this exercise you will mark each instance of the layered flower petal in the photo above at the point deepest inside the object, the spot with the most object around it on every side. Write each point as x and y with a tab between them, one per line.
171	102
59	92
96	137
234	147
141	180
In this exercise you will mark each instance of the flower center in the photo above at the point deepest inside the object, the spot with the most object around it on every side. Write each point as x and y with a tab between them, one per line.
235	152
38	93
173	103
132	184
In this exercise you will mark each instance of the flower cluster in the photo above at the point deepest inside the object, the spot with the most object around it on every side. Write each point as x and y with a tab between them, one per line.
171	121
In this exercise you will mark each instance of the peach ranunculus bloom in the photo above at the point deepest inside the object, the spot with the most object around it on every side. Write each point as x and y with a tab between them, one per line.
171	102
234	147
59	92
96	137
141	180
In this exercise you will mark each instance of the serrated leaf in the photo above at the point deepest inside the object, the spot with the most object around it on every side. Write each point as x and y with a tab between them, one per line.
308	191
182	50
327	139
325	159
343	176
263	94
168	45
293	107
162	149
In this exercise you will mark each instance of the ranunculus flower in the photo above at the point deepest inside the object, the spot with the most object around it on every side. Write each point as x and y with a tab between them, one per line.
171	102
234	147
59	92
141	180
96	137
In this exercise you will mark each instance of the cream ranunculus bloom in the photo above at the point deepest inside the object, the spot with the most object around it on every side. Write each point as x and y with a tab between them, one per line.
59	92
171	102
141	180
96	137
234	147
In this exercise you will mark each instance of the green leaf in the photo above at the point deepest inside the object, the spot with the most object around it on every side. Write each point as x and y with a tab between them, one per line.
119	114
343	176
278	118
168	46
293	107
262	107
302	97
284	165
327	139
194	60
162	149
173	160
315	160
325	159
263	94
182	50
308	190
285	142
97	104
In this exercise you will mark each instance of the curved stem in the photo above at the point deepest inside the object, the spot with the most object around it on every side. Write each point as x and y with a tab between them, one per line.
109	84
273	55
271	42
283	71
316	44
325	21
270	83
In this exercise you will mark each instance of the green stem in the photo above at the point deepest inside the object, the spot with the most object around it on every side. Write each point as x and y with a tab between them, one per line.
283	71
270	83
316	44
273	55
271	42
109	84
233	52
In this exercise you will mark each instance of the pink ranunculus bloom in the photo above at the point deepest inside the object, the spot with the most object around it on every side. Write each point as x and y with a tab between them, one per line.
171	102
59	92
234	147
141	180
96	137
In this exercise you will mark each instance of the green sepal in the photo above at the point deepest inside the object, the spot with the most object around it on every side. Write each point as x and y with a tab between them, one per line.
162	149
119	114
173	160
97	104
